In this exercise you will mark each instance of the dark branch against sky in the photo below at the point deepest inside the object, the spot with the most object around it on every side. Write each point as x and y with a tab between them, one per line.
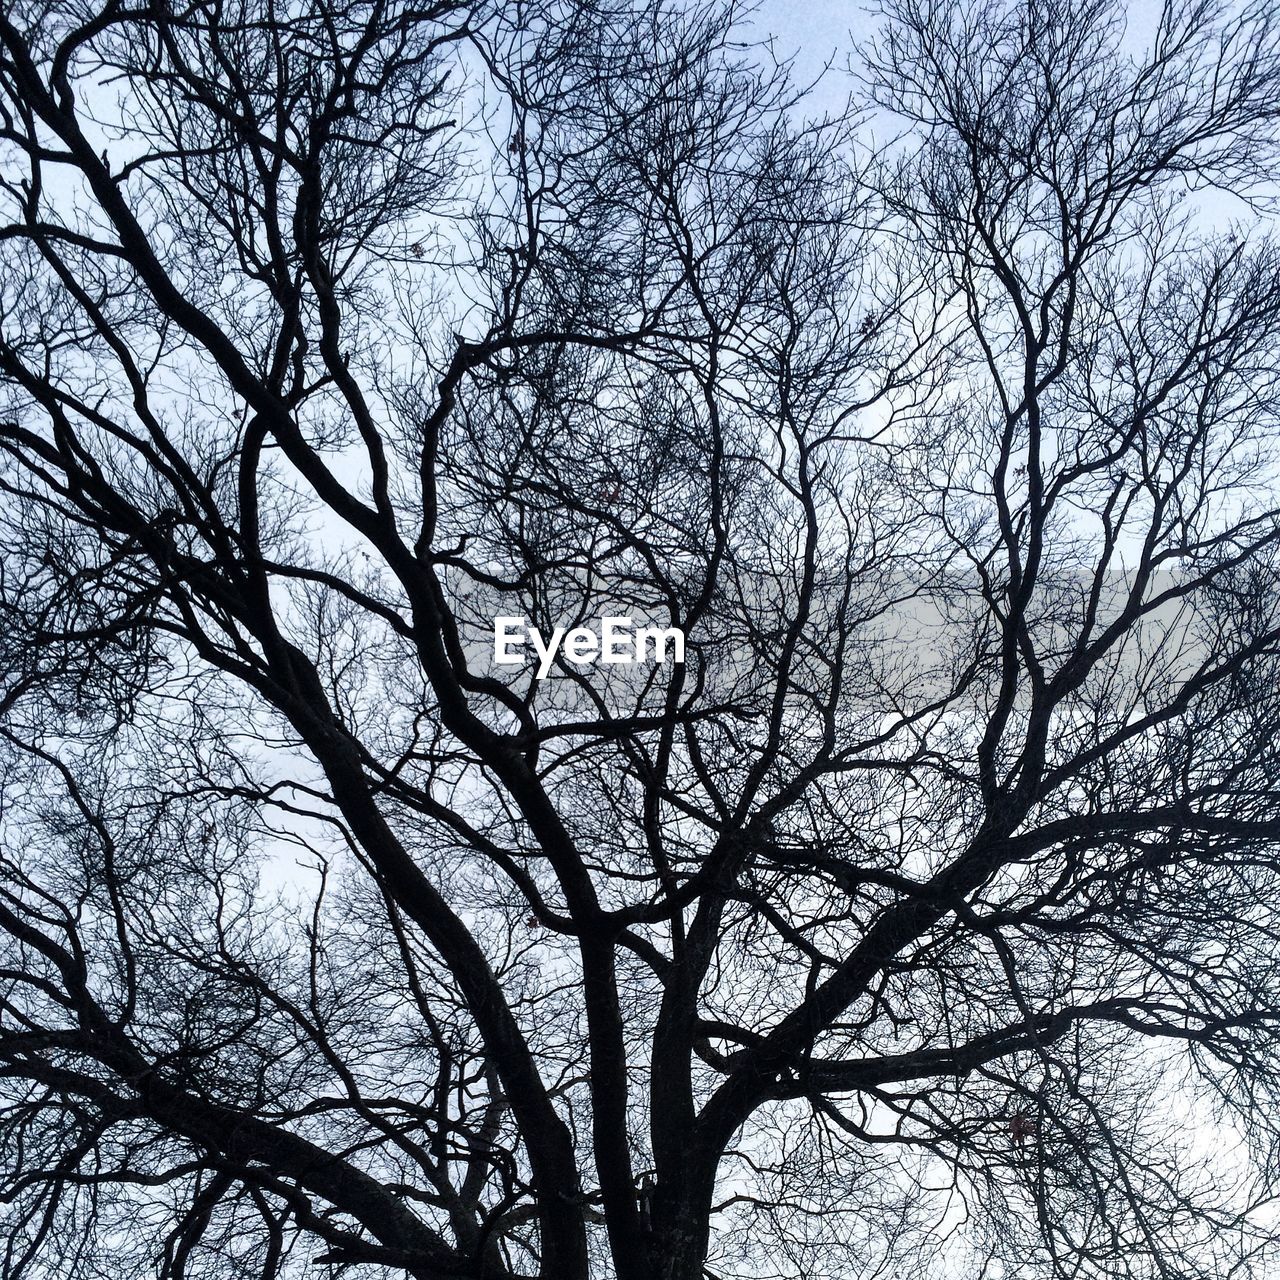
902	902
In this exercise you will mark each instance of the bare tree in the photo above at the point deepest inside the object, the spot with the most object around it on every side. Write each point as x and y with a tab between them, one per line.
922	922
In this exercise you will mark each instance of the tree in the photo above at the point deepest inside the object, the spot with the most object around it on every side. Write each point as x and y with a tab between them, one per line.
922	922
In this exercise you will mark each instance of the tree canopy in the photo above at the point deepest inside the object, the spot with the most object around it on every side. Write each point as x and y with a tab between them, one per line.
922	922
